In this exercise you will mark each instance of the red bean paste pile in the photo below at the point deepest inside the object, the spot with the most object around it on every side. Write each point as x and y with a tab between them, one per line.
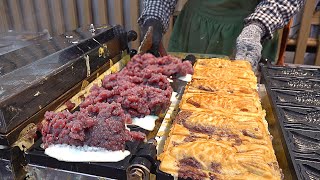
168	65
99	125
191	168
140	89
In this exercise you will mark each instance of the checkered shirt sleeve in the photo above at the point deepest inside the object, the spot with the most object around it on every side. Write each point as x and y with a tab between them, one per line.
274	14
158	9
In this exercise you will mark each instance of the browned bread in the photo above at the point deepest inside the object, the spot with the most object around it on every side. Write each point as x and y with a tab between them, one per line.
228	86
208	125
222	102
223	63
212	159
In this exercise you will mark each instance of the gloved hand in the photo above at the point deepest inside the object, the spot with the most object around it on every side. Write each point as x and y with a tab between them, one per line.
249	45
157	33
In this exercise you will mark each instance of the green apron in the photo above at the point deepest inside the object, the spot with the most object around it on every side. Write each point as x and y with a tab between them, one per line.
212	27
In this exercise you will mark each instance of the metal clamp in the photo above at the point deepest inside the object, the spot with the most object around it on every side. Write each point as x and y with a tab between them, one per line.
92	29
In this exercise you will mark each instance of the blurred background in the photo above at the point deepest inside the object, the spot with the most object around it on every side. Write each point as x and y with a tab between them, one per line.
59	16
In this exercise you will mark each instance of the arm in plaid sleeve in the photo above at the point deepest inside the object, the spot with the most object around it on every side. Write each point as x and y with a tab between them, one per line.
158	9
274	14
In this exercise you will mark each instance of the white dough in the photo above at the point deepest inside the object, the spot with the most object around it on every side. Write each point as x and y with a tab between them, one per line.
68	153
147	122
186	78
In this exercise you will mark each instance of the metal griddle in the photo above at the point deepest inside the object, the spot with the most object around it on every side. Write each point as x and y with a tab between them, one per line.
139	164
42	72
44	75
142	162
297	115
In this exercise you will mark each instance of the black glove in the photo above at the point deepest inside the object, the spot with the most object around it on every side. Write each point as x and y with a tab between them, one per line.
156	36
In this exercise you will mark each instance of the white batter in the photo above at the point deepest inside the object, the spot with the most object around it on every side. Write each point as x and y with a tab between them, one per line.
186	78
148	122
63	152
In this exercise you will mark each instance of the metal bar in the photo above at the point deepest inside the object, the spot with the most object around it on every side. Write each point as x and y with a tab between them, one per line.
42	15
99	12
277	58
84	12
134	15
317	62
4	23
70	15
311	42
167	35
283	44
118	12
304	31
55	10
316	18
15	15
29	18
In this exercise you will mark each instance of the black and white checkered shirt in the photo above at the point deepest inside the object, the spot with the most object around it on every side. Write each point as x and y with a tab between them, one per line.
273	14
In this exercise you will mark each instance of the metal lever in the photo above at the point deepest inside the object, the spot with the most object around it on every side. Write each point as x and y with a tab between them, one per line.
132	35
144	162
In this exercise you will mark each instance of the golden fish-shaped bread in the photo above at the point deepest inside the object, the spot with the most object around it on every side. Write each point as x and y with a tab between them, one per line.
211	159
222	102
224	74
230	86
208	125
223	63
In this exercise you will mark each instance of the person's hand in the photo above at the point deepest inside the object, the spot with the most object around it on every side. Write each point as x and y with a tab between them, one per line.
157	33
249	45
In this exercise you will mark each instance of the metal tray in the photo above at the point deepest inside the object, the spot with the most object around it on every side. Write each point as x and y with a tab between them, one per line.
296	83
42	72
309	168
308	118
27	105
280	71
140	163
304	141
296	98
297	114
279	149
11	163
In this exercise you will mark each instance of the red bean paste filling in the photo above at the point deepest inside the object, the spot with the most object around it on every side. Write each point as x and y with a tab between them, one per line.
221	132
190	161
141	87
138	90
190	168
215	167
189	139
168	65
205	88
249	134
99	125
70	105
213	176
175	143
194	103
182	116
